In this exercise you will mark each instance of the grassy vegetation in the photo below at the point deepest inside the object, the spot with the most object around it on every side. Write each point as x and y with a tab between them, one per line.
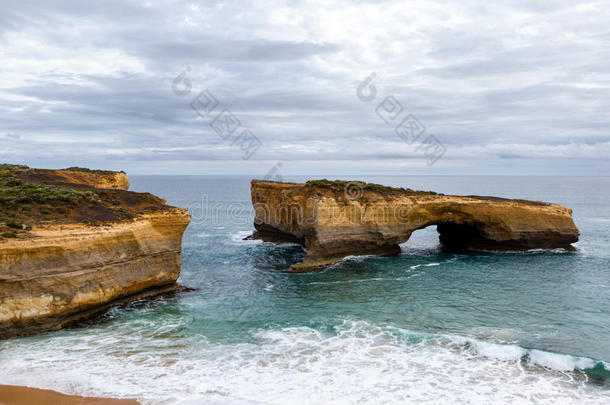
340	186
18	196
15	192
337	185
16	225
31	197
45	210
86	170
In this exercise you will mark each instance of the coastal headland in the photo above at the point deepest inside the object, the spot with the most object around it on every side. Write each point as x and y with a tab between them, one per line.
75	241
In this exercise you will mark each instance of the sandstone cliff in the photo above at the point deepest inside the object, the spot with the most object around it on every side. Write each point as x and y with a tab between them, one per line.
336	219
74	251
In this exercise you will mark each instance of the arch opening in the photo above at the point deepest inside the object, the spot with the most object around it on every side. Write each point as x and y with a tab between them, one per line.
448	237
458	237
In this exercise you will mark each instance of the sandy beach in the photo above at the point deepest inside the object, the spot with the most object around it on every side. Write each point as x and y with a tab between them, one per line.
16	395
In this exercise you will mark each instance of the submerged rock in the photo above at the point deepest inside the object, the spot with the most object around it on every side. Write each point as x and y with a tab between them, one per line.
70	250
335	219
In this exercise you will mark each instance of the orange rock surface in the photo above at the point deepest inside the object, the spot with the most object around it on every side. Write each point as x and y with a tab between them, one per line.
59	272
333	220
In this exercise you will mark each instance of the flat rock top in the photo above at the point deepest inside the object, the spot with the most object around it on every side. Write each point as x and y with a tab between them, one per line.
75	175
32	198
342	189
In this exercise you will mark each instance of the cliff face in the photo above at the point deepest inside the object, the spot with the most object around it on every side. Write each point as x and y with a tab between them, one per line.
336	219
64	272
59	270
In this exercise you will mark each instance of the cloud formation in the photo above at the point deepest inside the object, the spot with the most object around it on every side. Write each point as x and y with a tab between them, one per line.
521	84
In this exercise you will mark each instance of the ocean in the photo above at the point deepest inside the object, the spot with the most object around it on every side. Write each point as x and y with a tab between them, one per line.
424	326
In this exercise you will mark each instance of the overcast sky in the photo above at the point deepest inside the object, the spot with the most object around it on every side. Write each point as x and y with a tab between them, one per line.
506	87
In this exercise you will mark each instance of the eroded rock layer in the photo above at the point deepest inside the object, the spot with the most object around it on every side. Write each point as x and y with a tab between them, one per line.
59	269
337	219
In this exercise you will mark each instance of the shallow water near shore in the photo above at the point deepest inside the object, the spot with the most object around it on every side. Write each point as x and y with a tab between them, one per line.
426	325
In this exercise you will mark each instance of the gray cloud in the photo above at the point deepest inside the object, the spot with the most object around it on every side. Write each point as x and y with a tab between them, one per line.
522	81
210	50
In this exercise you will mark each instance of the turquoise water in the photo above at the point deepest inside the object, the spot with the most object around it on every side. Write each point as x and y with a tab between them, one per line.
423	326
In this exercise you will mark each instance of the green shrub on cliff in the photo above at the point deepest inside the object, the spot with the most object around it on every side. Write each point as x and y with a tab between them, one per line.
45	210
15	191
16	225
341	185
86	170
19	193
39	197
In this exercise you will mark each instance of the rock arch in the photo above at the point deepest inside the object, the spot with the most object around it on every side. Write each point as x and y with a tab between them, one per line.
332	224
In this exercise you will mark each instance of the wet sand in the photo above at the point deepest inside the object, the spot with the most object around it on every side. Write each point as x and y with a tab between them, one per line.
16	395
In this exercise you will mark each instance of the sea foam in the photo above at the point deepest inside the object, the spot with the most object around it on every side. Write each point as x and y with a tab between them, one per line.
353	362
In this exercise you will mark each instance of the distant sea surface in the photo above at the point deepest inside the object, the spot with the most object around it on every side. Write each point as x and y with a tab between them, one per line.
421	327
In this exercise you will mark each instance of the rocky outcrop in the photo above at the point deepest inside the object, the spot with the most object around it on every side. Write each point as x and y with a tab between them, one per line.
77	175
95	178
59	269
63	273
335	219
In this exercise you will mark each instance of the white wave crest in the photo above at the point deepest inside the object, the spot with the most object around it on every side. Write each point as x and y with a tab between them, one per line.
239	237
355	362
